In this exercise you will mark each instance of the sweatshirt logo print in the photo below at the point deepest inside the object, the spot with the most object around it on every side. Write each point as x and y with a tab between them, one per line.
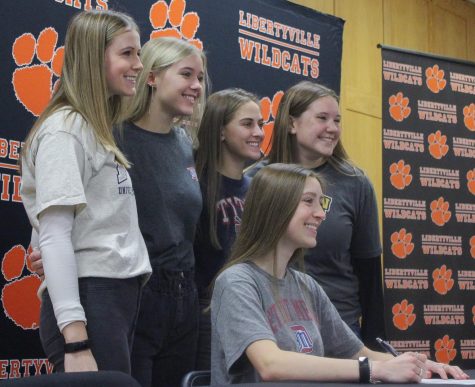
121	174
193	174
302	339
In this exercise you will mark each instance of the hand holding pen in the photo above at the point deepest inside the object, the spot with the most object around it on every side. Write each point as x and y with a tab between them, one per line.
387	347
443	370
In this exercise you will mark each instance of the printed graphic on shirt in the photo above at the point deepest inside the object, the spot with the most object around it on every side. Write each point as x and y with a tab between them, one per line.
287	311
121	174
122	177
192	172
230	211
326	202
302	338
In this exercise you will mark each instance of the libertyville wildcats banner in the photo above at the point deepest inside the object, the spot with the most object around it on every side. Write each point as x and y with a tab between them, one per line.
263	46
429	205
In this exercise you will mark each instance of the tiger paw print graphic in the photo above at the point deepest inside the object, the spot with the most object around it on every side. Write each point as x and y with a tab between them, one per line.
469	116
443	281
269	112
400	175
181	25
473	314
401	243
471	181
472	246
33	83
399	107
444	350
435	79
19	299
440	213
403	316
437	145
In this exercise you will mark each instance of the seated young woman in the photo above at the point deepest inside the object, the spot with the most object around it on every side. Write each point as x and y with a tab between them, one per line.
272	322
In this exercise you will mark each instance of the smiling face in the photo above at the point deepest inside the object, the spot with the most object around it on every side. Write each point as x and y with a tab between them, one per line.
317	131
122	63
302	229
242	136
178	87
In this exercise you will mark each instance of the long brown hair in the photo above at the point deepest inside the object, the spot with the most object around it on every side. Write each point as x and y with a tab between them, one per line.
294	103
83	86
219	111
271	202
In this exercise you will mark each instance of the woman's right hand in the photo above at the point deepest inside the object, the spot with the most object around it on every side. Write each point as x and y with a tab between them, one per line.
408	367
81	361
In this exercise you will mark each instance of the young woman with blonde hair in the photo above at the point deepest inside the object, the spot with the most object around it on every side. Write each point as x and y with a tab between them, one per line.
346	262
79	198
170	95
229	137
272	322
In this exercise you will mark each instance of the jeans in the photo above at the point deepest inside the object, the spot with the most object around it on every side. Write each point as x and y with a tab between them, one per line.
111	308
166	337
203	360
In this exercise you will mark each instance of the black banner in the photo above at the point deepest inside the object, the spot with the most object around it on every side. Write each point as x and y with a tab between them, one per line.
429	205
263	46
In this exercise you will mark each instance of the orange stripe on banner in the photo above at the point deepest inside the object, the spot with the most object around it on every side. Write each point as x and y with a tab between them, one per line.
279	43
9	166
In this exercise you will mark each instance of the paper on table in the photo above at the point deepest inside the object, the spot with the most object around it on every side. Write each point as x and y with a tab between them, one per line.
467	382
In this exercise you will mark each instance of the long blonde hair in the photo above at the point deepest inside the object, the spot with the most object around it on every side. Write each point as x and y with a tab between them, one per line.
83	86
158	55
294	103
219	111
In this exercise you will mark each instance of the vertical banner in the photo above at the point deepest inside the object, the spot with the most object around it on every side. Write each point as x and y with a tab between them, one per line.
429	205
263	46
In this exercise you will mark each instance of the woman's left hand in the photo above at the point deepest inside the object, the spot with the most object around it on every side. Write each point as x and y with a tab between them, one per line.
36	263
444	370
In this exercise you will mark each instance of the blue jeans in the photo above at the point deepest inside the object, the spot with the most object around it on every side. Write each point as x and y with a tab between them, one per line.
167	329
111	307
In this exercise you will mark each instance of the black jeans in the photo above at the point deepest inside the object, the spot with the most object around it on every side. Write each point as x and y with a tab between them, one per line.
166	337
111	307
203	360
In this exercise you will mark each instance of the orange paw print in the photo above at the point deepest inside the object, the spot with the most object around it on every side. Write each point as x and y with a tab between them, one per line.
437	145
472	246
444	350
33	83
403	317
469	116
471	181
401	243
183	25
398	107
269	112
19	298
400	174
473	313
443	281
435	79
440	213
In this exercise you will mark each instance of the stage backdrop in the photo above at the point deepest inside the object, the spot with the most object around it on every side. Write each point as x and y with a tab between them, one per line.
260	45
429	205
